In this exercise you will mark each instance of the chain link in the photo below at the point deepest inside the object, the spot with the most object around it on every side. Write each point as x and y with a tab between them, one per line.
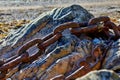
23	56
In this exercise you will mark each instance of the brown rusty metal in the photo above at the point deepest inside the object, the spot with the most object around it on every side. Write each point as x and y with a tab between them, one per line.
111	25
87	29
10	59
49	41
96	52
93	61
14	62
98	19
24	48
28	45
119	26
66	26
48	36
4	68
2	75
83	66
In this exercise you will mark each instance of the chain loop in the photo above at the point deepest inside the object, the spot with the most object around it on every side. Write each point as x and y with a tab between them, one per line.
26	46
66	26
84	66
98	20
49	41
115	28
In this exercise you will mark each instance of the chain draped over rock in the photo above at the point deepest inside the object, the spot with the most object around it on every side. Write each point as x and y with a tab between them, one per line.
102	24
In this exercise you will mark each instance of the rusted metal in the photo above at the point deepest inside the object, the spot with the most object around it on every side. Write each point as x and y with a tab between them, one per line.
14	62
98	19
87	29
111	25
53	39
66	26
26	46
83	66
2	75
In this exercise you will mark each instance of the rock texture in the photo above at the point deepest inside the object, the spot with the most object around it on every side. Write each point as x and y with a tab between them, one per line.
48	21
60	57
60	60
100	75
113	57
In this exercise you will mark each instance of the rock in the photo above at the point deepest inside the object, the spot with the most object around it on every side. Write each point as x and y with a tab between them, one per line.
38	68
113	57
49	64
48	21
100	75
61	60
61	57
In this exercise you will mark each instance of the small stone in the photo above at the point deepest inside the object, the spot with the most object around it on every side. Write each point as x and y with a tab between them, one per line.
100	75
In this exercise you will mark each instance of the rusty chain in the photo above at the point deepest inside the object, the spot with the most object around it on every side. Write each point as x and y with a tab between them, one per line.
23	56
86	64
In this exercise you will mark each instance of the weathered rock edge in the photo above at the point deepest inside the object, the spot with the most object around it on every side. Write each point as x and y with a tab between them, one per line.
48	20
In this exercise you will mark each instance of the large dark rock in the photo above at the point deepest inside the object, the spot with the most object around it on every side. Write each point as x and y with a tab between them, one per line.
48	21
